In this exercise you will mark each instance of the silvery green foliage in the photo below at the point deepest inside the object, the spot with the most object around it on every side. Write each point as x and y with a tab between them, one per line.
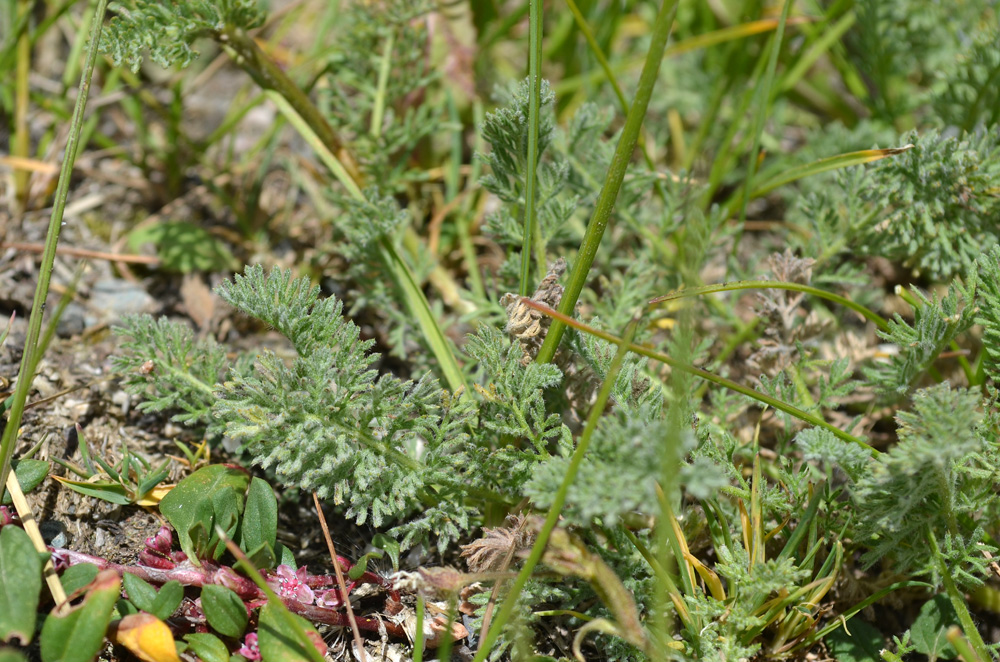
365	227
936	322
819	445
895	43
168	29
939	479
934	207
730	624
971	93
618	475
171	370
361	36
632	390
326	422
989	311
506	131
513	404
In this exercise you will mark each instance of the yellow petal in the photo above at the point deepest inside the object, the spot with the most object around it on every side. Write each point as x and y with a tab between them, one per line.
147	637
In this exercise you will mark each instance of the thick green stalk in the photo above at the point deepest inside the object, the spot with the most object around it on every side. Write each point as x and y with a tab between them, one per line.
560	497
613	182
29	359
532	236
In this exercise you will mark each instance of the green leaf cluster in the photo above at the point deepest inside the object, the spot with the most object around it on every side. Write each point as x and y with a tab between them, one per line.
938	480
167	30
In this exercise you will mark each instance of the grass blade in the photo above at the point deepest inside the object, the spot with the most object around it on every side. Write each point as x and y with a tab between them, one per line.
30	360
532	235
612	183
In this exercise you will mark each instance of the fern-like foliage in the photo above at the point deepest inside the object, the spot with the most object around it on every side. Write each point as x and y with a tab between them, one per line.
365	35
989	310
909	40
325	422
618	475
971	94
513	402
939	479
936	322
168	30
171	370
933	208
506	131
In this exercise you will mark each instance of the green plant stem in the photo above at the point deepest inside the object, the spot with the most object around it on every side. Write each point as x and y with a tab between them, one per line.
958	601
612	183
609	74
21	146
532	235
378	110
560	496
704	374
29	359
763	104
465	218
266	73
868	314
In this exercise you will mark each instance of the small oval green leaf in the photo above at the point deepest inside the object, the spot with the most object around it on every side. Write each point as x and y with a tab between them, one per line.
20	585
140	592
286	637
224	610
168	598
208	647
30	474
260	518
77	576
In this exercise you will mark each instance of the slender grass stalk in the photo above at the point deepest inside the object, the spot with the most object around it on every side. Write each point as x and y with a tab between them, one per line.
596	411
29	359
704	374
265	72
798	172
595	48
706	40
965	650
867	313
418	636
830	38
612	183
762	105
21	146
532	236
465	218
378	111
